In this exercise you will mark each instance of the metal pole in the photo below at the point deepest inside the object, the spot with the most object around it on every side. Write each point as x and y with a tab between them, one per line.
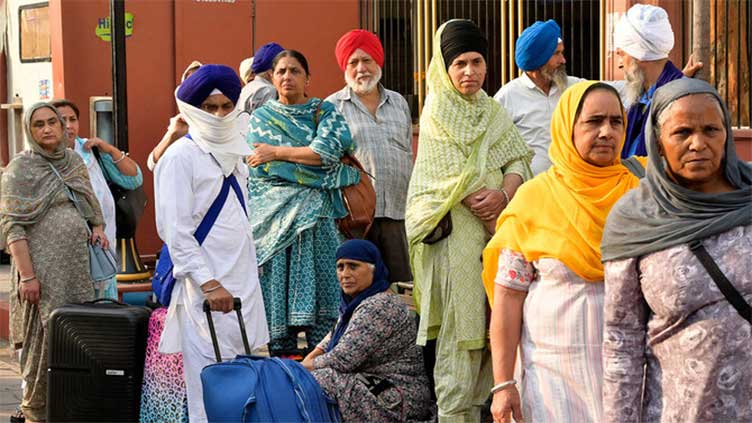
253	27
119	96
701	36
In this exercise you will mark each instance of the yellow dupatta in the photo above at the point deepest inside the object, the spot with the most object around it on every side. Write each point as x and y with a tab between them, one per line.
561	213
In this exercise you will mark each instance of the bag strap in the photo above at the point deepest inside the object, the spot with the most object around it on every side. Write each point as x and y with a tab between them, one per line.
211	216
732	295
71	196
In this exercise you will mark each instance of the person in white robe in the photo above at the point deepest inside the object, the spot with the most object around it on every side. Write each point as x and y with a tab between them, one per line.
187	179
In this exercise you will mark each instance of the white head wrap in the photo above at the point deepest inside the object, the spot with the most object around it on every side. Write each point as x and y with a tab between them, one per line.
219	136
245	69
645	33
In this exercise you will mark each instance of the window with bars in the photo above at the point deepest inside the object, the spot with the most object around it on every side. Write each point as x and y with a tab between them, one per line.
406	29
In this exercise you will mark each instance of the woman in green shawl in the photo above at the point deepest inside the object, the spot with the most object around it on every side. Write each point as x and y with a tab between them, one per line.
470	161
46	237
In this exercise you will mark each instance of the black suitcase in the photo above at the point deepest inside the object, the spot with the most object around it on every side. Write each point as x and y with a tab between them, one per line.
96	362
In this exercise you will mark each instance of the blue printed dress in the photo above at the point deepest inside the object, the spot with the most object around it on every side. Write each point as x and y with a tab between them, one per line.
293	208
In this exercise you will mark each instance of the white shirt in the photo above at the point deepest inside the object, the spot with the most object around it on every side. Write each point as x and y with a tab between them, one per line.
187	179
531	110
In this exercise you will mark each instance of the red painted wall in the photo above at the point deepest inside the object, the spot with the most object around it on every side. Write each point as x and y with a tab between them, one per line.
167	36
211	32
313	28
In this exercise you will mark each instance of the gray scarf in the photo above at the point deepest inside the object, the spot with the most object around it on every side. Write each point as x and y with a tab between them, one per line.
28	186
661	213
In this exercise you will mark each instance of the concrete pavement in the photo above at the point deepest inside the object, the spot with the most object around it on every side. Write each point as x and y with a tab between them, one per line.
10	376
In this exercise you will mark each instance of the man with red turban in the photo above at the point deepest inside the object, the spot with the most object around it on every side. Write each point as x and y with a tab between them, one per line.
381	126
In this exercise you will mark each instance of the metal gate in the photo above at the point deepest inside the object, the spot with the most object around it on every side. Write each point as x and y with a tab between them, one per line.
406	29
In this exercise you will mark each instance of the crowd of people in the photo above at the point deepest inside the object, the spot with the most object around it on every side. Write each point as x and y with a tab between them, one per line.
566	239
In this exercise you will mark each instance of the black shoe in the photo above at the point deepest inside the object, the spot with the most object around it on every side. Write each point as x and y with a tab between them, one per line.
17	416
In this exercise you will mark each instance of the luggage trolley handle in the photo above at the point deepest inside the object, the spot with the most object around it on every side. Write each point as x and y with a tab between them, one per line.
237	306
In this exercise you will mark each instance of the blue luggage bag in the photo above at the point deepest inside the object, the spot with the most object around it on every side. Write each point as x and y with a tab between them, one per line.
260	389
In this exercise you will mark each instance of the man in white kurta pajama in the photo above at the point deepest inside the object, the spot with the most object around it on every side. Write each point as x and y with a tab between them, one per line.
187	179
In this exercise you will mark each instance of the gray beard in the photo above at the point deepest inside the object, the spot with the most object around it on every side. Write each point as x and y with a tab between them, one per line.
558	77
635	85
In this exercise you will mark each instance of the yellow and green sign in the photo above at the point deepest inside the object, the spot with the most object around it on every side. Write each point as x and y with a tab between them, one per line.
103	27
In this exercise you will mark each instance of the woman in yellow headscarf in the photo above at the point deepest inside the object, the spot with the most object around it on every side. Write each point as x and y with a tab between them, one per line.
543	271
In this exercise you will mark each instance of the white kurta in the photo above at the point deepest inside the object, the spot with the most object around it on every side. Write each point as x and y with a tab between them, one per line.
186	182
102	192
107	288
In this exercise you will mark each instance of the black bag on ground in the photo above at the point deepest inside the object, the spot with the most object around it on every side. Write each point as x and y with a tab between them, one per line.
96	362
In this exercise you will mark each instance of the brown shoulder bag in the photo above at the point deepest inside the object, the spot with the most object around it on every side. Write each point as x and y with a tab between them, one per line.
359	199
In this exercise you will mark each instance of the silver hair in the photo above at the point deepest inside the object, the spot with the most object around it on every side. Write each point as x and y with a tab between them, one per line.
557	76
666	112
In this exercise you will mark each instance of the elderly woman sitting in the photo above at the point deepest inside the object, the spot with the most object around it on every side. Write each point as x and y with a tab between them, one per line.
370	363
664	307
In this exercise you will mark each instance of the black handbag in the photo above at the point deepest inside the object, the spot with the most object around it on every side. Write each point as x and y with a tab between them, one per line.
129	204
732	295
441	231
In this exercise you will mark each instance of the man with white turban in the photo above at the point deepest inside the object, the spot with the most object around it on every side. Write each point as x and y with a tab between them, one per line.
188	179
643	39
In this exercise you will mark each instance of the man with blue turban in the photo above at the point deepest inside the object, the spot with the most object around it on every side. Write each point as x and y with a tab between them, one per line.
202	178
260	90
531	98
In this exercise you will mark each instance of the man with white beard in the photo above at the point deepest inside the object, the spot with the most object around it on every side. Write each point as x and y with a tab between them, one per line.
643	39
381	126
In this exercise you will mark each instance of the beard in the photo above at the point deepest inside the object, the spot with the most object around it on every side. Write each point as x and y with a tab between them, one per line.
364	82
635	86
557	75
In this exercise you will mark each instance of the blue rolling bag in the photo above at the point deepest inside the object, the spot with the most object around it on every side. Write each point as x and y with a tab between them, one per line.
260	389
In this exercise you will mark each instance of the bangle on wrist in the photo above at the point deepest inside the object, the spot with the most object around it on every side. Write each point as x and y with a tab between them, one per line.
212	289
502	386
122	157
26	280
506	196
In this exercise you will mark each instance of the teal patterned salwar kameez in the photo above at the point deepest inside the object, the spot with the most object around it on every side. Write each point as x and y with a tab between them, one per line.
293	209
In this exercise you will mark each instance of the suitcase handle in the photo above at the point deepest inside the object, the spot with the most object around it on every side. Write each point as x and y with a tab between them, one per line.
237	306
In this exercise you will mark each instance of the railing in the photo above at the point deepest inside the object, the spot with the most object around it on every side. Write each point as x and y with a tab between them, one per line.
730	55
406	28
